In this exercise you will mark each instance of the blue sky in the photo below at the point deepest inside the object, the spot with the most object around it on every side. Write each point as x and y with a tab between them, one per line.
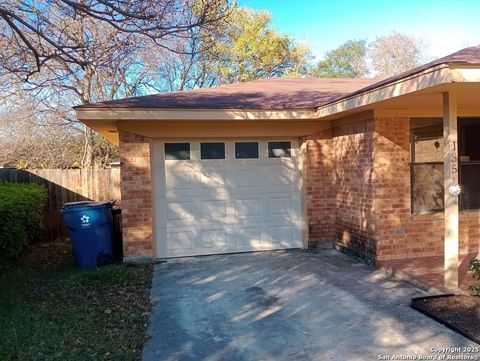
444	25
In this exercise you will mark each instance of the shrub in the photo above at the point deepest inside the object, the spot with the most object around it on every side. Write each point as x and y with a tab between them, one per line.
475	268
21	214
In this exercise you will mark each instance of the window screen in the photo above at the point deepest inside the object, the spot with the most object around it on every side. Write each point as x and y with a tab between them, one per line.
279	149
427	173
212	150
427	165
469	151
245	150
177	151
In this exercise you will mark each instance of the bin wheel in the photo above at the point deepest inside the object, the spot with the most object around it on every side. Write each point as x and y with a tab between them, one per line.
104	259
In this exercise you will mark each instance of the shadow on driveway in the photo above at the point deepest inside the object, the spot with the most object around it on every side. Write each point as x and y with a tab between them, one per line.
286	305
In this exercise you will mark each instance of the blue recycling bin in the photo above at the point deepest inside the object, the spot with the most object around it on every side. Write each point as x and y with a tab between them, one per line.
91	232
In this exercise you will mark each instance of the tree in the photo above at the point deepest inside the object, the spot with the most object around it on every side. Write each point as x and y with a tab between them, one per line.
108	67
93	50
251	49
38	33
31	145
395	53
243	47
346	61
113	63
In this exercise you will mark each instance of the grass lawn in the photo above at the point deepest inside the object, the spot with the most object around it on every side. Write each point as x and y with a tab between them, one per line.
50	310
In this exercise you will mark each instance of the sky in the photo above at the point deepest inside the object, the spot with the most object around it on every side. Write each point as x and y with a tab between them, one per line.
444	26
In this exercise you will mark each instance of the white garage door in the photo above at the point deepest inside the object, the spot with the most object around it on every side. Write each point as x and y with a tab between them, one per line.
226	196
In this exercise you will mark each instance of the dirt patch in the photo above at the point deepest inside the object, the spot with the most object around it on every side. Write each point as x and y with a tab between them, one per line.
458	312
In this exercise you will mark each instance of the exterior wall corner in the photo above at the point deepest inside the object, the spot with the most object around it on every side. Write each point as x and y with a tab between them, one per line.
136	178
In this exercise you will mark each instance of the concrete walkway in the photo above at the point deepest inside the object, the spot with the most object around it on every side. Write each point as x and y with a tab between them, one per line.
287	305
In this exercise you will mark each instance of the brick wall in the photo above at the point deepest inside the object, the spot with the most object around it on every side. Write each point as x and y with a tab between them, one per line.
136	195
392	185
355	224
358	193
400	234
339	185
320	186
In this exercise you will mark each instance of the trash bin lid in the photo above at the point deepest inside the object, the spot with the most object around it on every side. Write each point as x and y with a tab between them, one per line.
77	204
88	204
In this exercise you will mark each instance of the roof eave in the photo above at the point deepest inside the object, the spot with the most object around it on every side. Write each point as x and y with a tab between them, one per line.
428	78
116	114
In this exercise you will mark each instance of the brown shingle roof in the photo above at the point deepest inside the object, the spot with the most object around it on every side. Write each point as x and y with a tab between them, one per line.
274	93
277	93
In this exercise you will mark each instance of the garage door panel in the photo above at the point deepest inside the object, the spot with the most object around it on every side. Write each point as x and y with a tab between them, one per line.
214	209
215	239
248	208
281	235
179	180
180	239
281	206
210	178
248	238
181	210
243	178
281	177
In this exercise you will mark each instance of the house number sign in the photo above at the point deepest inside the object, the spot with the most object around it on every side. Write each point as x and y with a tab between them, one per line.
453	159
454	189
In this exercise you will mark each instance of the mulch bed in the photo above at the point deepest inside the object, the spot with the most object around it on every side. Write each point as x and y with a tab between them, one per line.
461	313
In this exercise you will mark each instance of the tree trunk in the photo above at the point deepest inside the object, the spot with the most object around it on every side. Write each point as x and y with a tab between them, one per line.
88	160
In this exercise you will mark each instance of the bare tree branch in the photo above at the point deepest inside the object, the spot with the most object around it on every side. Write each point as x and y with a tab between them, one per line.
35	26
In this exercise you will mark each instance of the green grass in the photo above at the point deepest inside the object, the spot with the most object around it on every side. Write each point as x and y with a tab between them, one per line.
50	310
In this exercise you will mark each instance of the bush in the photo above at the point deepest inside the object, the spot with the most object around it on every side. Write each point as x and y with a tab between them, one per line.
21	214
475	268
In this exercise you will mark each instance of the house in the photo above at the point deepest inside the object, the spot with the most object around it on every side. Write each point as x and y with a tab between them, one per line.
282	163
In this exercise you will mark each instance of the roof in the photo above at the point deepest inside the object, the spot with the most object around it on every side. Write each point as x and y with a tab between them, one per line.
273	93
278	93
467	56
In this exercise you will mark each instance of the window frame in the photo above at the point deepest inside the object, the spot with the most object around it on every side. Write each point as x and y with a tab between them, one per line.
280	141
210	143
182	159
461	125
246	142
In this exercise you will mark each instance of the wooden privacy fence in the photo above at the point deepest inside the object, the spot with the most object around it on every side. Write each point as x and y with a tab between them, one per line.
67	185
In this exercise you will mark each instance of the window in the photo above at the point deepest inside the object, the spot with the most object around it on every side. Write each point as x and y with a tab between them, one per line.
177	151
469	156
427	166
279	149
244	150
212	150
427	174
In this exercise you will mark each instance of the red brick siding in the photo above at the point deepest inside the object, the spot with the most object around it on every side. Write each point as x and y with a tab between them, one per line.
358	193
320	187
355	224
136	195
421	235
339	185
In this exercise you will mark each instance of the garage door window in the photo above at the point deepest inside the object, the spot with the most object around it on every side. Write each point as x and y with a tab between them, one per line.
212	150
177	151
279	149
246	150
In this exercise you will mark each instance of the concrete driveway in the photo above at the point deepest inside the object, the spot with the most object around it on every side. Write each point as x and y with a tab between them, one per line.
287	305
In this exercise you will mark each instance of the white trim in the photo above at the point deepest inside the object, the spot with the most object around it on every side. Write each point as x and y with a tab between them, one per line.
431	77
192	114
451	169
